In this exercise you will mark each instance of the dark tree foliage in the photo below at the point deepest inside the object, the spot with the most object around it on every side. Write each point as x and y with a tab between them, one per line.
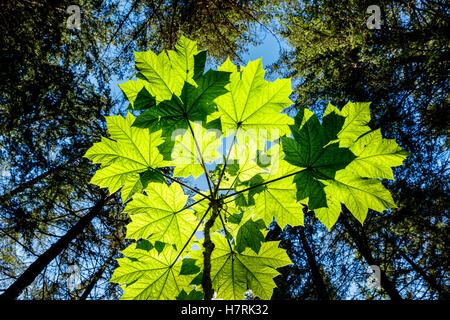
56	90
402	68
50	107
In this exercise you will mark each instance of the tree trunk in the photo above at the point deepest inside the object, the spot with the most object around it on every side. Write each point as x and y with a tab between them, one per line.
209	247
30	183
317	278
443	294
30	274
361	243
96	277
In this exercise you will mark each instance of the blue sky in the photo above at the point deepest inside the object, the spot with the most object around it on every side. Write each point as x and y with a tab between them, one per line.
269	50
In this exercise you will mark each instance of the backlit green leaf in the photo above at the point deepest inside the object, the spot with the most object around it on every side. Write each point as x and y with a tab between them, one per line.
159	215
128	152
233	273
253	102
150	275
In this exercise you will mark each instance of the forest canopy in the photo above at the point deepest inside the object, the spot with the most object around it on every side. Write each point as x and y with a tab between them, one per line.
61	235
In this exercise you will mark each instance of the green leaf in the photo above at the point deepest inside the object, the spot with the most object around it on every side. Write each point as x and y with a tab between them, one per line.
159	246
151	176
359	194
150	275
159	215
278	201
137	93
185	153
357	117
194	103
332	122
329	215
193	295
310	188
375	156
335	175
129	152
166	116
374	159
254	103
250	236
233	273
199	64
197	280
167	73
144	244
310	150
182	58
189	267
199	101
276	197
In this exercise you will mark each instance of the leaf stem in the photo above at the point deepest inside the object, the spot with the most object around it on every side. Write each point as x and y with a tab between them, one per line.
225	229
201	157
225	164
183	184
190	238
261	184
189	206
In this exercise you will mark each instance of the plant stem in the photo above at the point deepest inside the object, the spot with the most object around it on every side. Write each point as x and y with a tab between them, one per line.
225	231
190	238
201	157
182	184
261	184
209	247
225	164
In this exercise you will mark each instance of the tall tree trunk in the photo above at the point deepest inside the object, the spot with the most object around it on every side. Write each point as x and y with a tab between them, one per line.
362	245
30	183
443	294
96	277
317	278
30	274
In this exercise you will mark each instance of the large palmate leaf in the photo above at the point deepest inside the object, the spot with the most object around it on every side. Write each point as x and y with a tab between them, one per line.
359	194
343	175
159	215
194	103
167	73
376	156
233	273
151	275
125	156
253	102
357	117
309	150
